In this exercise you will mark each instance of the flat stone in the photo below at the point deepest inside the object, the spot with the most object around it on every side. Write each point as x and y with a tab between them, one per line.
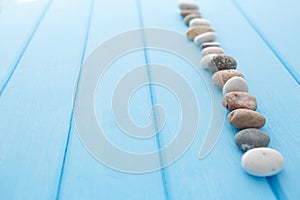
183	5
212	50
205	37
221	77
251	138
209	44
189	17
222	62
206	59
235	84
244	118
236	100
192	32
199	22
262	162
187	12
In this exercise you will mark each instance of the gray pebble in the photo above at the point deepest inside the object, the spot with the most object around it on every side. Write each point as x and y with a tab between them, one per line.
235	84
222	62
251	138
189	17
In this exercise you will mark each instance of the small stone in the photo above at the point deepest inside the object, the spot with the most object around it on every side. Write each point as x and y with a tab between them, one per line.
199	22
208	36
212	50
206	59
189	17
209	44
251	138
187	12
262	162
197	30
244	118
235	84
236	100
183	5
222	62
221	77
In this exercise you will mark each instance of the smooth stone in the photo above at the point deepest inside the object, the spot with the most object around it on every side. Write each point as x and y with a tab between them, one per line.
192	32
262	162
209	44
235	84
205	37
221	77
189	17
251	138
199	22
212	50
236	100
222	62
187	12
183	5
206	59
245	118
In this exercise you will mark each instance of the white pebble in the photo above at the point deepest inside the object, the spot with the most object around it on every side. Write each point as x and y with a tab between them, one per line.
262	162
212	50
235	84
205	37
199	22
206	59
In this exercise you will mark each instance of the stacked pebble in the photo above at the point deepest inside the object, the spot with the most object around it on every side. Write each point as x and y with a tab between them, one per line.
258	159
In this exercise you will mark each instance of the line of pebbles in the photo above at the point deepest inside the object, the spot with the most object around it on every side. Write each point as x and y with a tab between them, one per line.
259	160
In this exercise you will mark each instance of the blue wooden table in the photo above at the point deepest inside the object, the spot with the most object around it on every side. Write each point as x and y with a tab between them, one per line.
43	44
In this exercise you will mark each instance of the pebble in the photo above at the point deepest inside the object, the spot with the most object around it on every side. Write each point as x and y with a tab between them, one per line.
209	44
245	118
236	100
183	5
251	138
235	84
197	30
205	37
222	62
199	22
189	17
262	162
212	50
187	12
206	59
221	77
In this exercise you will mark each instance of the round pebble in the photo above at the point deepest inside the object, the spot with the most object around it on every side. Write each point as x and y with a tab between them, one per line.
245	118
208	36
236	100
209	44
262	162
251	138
183	5
189	17
222	62
192	32
199	22
206	59
187	12
212	50
235	84
221	77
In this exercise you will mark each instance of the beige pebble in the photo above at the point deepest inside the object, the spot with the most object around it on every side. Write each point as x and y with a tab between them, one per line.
206	59
245	118
207	36
199	22
221	77
212	50
192	32
235	84
236	100
183	5
187	12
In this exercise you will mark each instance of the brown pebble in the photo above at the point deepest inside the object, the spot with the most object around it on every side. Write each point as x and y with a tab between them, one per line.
197	30
244	118
187	12
236	100
221	77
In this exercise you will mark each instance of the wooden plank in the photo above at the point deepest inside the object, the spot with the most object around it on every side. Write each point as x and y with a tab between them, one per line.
36	106
16	32
84	177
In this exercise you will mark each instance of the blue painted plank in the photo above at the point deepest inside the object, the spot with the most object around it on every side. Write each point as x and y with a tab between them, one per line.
19	22
84	177
36	106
